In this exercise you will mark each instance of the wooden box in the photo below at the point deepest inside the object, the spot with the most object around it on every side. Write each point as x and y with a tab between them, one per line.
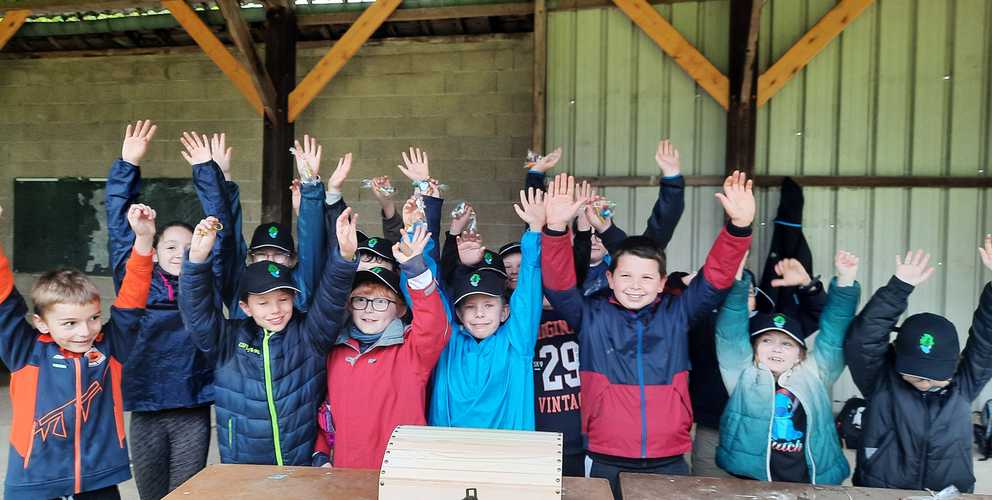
443	463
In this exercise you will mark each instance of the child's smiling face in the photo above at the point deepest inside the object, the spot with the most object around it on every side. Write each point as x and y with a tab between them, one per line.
512	264
271	311
481	314
73	327
381	307
777	351
635	281
172	244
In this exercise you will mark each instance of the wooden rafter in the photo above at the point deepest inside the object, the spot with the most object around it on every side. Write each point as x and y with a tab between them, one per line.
540	74
678	48
238	28
338	56
424	13
215	50
11	22
800	54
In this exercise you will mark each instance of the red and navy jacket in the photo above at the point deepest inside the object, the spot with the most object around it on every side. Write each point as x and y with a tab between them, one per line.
634	365
67	434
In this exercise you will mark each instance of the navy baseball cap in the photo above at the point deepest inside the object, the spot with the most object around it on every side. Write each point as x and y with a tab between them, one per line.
927	346
777	322
264	277
376	245
381	275
273	235
475	281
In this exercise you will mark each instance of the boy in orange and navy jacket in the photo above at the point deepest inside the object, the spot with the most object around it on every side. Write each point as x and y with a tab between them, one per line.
67	435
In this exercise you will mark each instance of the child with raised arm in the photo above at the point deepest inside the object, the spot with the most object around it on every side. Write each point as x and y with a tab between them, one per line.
633	345
167	382
377	372
485	375
779	422
270	376
67	432
917	428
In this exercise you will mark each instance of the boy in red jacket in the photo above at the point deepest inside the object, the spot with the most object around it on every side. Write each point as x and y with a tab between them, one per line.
633	345
67	433
377	373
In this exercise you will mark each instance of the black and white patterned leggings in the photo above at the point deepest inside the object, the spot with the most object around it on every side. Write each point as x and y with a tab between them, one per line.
167	448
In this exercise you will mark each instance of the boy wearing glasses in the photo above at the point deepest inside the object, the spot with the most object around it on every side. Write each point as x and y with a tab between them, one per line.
377	371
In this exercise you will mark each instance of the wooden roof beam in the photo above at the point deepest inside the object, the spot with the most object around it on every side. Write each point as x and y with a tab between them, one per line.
216	51
11	22
238	28
678	48
338	56
816	39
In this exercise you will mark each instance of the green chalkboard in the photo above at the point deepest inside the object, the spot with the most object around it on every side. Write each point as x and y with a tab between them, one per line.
63	222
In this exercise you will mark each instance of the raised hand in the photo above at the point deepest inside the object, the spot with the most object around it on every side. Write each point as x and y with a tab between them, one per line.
560	205
383	192
846	264
308	157
136	139
416	166
458	223
204	235
221	154
531	208
347	229
667	158
470	248
339	174
411	246
984	251
792	273
914	269
142	221
411	212
737	199
197	148
547	162
596	220
585	192
296	196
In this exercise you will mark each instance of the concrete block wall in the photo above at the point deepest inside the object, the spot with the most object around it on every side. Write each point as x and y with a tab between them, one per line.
466	100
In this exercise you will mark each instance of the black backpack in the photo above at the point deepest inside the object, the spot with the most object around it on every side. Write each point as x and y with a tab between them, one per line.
849	422
983	431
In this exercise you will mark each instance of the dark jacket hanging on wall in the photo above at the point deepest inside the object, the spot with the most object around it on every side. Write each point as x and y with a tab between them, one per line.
789	242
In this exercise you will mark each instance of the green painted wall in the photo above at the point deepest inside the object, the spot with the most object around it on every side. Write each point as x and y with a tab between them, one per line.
905	90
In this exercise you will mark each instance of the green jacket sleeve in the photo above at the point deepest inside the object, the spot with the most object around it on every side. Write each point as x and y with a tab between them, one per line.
733	342
828	349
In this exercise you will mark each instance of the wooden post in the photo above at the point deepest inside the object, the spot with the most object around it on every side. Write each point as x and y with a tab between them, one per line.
540	75
742	115
277	164
238	29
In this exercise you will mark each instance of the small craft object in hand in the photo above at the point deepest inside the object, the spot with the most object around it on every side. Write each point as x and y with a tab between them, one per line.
605	208
386	188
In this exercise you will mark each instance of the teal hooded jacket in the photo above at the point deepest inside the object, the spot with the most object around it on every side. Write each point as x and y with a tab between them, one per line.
490	384
745	428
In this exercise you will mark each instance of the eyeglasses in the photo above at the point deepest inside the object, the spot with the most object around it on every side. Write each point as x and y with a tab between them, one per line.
378	304
370	257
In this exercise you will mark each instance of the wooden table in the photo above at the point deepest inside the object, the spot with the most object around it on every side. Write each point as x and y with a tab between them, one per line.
653	486
269	482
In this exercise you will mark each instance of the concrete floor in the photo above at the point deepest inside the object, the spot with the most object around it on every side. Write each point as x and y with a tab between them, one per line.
983	470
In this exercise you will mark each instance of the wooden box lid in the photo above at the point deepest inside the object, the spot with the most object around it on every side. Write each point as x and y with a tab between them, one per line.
444	462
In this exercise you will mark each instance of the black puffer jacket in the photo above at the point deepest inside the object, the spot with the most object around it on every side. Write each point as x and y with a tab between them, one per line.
913	439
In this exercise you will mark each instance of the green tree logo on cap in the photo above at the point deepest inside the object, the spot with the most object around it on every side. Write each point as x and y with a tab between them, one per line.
372	242
489	258
377	270
778	320
274	271
475	279
926	342
273	231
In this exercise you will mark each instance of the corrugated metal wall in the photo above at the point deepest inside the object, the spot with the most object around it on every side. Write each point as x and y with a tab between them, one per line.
905	90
